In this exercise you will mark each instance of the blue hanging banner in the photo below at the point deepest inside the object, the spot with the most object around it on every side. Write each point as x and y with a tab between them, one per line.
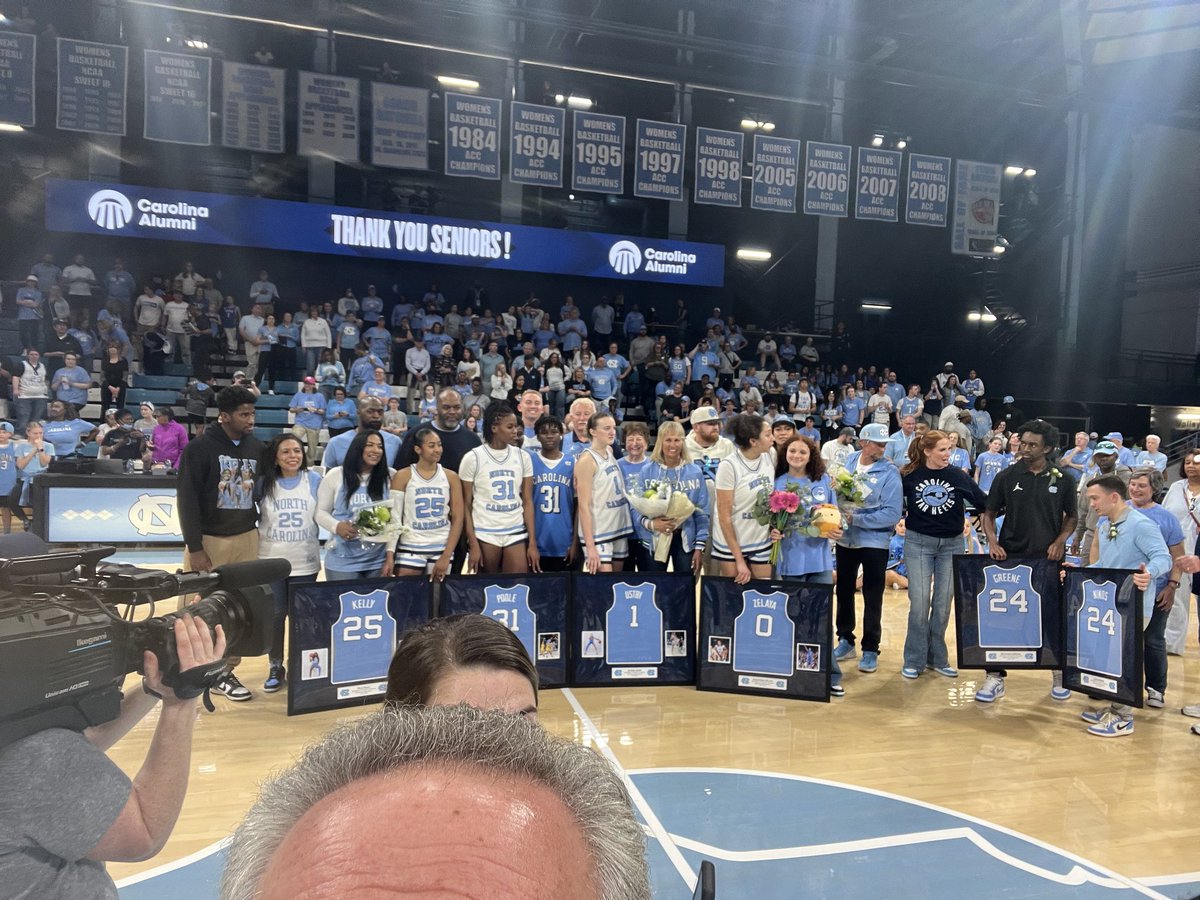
773	186
18	55
1103	612
1008	614
658	164
599	153
178	98
473	136
928	197
718	176
399	126
252	105
827	179
537	137
878	195
92	81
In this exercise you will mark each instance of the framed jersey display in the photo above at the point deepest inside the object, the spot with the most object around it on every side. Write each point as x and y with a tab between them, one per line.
534	607
1007	614
765	637
342	637
633	628
1103	634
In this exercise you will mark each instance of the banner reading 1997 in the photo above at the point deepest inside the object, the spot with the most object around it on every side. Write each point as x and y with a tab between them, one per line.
718	177
178	98
17	56
538	135
473	136
252	100
827	179
773	186
599	153
928	190
658	165
878	185
91	86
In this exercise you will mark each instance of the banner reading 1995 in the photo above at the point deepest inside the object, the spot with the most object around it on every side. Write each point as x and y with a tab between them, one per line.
658	165
599	153
827	179
538	134
718	177
773	186
17	56
178	98
928	197
473	136
91	86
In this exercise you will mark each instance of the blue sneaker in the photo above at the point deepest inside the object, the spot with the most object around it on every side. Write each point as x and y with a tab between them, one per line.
844	650
909	672
869	662
275	678
948	671
1057	691
992	690
1112	725
1095	716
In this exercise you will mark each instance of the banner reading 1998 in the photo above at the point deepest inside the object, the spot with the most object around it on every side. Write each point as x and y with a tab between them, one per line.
538	134
658	165
178	97
827	179
91	86
878	185
928	190
718	178
17	56
473	136
773	186
599	153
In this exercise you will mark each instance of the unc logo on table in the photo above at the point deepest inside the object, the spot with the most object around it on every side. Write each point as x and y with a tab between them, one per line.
155	514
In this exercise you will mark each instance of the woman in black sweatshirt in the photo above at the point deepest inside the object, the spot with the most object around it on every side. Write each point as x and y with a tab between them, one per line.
934	497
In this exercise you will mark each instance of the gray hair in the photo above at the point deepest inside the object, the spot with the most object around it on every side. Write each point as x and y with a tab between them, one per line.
455	736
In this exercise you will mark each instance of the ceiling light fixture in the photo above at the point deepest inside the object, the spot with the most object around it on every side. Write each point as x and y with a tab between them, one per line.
454	81
753	255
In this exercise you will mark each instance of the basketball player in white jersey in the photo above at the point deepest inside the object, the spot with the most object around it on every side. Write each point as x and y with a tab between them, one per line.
431	506
497	485
740	544
604	523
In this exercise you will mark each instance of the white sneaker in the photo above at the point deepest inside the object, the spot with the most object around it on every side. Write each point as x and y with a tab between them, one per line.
1193	711
992	690
1154	699
1057	691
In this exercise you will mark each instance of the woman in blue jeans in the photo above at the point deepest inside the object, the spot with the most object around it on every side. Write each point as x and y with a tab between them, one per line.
934	497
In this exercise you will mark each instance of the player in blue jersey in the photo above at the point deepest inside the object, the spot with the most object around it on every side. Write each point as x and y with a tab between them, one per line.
8	473
429	497
553	497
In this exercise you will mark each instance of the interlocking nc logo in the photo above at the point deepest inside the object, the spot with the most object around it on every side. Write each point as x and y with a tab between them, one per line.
625	257
154	514
110	210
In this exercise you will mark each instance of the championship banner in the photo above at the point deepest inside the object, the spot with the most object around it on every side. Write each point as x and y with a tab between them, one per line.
252	107
658	164
342	635
772	638
535	153
327	116
633	628
718	175
928	196
178	98
878	195
473	136
92	80
1008	614
18	57
599	153
399	126
826	179
533	607
1103	615
775	162
976	208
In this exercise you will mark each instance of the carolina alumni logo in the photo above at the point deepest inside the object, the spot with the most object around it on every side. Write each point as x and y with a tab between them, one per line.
155	514
111	210
625	257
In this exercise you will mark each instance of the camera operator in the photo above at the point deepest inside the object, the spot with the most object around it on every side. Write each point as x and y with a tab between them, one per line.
65	807
240	380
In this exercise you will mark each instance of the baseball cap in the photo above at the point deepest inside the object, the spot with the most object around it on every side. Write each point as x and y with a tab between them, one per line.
6	426
1105	447
239	374
1008	398
308	379
784	420
960	399
846	432
703	414
31	278
875	433
947	363
1114	436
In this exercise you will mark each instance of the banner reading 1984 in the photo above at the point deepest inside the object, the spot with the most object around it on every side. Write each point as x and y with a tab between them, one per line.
538	135
178	98
17	56
773	186
658	165
827	179
928	190
718	178
91	86
599	153
878	185
473	136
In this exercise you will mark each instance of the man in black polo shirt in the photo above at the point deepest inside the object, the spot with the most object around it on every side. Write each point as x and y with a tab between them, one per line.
457	441
1037	500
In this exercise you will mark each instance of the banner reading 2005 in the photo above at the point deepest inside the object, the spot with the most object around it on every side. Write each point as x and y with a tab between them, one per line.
473	136
774	184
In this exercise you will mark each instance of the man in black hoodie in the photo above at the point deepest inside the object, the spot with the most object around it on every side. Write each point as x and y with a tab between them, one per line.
215	497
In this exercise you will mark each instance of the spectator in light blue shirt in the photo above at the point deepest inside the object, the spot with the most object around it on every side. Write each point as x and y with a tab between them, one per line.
72	381
1125	456
378	338
603	381
852	407
1151	455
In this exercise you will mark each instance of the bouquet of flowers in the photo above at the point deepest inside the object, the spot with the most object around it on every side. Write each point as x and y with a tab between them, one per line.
851	488
781	510
660	498
380	523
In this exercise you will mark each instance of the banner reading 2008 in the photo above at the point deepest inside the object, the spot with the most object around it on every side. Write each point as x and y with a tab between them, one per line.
473	136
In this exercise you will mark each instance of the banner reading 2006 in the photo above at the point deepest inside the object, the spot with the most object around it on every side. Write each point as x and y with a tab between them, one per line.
473	136
827	179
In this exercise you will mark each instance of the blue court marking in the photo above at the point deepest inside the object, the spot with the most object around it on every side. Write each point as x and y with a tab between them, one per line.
195	877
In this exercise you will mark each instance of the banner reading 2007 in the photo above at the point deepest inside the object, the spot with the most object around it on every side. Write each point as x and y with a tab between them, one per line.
658	166
473	136
599	153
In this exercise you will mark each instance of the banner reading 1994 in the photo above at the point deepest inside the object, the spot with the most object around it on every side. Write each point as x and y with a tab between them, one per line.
91	86
773	186
538	135
658	165
928	190
17	56
878	185
599	153
827	179
178	98
473	136
718	177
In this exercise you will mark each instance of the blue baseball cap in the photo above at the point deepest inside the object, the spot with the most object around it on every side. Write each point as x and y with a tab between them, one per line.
1114	436
875	433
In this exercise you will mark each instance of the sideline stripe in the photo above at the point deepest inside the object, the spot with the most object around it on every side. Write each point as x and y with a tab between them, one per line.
1181	878
200	854
652	823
